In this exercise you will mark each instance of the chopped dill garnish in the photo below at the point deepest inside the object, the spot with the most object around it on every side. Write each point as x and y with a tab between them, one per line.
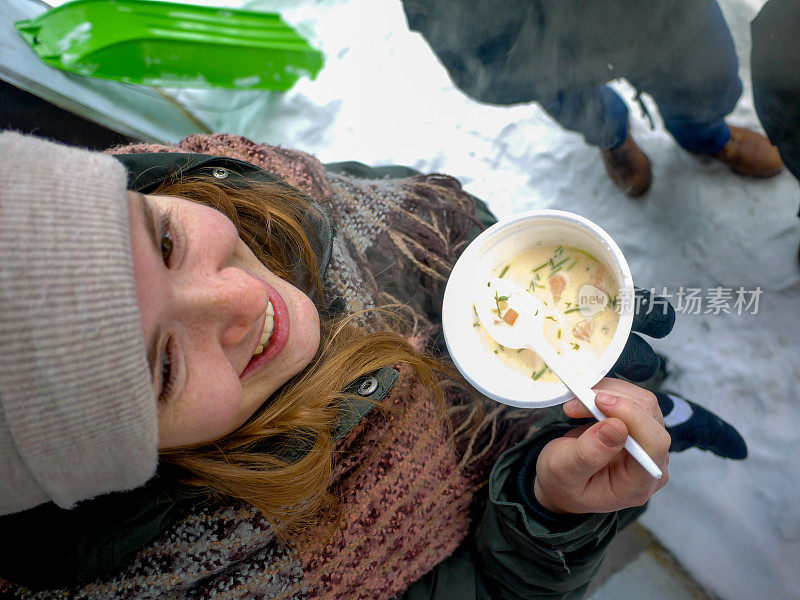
520	350
504	271
574	262
571	310
498	300
556	265
536	375
554	271
551	317
537	277
558	335
587	254
542	266
575	346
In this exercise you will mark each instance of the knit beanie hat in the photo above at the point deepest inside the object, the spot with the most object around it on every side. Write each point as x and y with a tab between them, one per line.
77	409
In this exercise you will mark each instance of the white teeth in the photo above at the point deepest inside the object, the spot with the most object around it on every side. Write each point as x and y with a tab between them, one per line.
269	323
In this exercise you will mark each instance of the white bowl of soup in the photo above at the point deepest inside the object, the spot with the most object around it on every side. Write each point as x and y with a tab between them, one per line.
584	283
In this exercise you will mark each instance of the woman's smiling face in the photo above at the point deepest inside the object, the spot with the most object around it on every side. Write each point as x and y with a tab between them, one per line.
207	305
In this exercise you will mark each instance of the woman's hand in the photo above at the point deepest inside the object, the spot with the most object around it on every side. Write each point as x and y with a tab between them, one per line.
588	470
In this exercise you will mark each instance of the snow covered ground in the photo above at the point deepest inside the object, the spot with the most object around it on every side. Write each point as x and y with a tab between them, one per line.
383	98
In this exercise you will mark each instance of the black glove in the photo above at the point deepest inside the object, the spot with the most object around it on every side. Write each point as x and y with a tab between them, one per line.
698	427
654	317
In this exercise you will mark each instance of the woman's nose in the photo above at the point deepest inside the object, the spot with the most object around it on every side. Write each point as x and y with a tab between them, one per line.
231	302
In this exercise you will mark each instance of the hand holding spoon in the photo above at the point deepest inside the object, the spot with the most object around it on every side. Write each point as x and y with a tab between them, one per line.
528	332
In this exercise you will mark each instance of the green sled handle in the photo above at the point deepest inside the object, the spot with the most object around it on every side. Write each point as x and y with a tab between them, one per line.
172	45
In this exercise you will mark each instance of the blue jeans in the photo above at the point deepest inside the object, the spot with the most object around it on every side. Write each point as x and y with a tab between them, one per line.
694	89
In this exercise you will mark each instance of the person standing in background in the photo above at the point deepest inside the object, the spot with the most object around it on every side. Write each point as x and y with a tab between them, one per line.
562	53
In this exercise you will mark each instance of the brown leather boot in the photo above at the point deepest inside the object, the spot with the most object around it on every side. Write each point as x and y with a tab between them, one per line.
628	167
750	153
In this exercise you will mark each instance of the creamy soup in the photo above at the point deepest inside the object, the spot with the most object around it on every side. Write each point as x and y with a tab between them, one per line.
579	294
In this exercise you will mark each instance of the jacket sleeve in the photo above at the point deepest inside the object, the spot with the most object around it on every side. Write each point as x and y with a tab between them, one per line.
514	553
490	48
775	71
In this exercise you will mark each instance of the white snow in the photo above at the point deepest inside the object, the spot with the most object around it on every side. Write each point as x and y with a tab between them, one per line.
382	98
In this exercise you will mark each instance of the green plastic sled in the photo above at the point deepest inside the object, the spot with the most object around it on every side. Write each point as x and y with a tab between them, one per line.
172	45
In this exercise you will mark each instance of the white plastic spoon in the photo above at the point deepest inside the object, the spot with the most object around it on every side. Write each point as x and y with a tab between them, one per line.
528	332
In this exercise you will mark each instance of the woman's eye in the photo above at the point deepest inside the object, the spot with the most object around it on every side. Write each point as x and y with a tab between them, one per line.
166	372
167	242
166	246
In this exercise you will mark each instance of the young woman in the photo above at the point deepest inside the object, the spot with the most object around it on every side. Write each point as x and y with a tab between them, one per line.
223	376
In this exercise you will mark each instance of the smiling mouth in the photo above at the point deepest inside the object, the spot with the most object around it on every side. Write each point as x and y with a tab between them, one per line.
266	334
274	336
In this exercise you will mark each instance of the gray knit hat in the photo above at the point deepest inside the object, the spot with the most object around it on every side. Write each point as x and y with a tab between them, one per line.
77	410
